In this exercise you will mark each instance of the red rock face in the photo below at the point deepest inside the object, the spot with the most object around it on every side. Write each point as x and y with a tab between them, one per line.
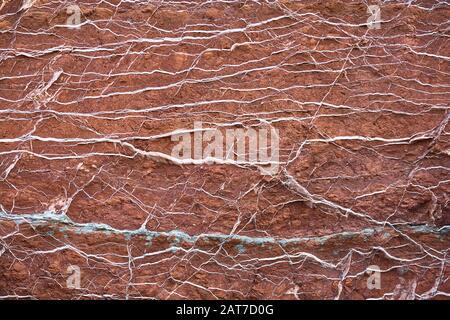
352	201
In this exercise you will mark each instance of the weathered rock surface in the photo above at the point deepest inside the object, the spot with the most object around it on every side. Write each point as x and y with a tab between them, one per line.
88	179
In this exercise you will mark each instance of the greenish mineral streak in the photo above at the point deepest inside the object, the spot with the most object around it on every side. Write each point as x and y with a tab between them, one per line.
180	236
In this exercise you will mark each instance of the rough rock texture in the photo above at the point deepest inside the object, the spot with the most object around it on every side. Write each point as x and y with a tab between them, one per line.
87	179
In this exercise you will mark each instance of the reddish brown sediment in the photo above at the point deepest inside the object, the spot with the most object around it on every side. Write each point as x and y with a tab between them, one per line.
88	178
